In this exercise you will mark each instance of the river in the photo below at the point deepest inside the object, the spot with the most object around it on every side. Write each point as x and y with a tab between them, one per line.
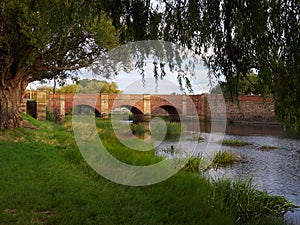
274	170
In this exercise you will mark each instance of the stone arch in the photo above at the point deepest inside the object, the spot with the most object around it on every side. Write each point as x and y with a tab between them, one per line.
172	112
85	110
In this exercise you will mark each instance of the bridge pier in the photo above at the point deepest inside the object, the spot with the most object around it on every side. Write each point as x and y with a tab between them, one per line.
104	106
41	105
147	107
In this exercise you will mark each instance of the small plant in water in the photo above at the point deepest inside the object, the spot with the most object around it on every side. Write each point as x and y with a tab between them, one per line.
224	158
197	163
267	147
197	138
231	142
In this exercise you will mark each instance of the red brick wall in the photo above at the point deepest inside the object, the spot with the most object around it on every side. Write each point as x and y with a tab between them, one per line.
251	109
53	102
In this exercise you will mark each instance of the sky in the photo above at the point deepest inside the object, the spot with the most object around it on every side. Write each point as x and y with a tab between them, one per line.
131	82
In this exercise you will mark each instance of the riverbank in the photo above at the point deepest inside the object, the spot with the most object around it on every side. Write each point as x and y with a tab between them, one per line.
44	180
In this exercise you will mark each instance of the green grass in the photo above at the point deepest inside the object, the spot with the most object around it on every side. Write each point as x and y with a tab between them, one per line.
45	180
247	202
232	142
192	164
224	158
221	159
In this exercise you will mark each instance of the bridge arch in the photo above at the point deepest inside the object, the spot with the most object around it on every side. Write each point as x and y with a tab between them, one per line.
172	112
137	113
84	109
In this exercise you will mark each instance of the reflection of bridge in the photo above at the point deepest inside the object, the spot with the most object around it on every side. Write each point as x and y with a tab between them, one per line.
141	106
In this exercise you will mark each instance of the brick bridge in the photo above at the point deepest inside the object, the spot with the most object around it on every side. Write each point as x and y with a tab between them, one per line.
253	109
141	106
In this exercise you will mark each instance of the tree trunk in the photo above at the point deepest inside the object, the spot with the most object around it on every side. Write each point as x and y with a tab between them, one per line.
10	105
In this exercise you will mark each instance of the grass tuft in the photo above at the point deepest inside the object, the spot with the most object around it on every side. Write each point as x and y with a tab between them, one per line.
225	158
267	147
232	142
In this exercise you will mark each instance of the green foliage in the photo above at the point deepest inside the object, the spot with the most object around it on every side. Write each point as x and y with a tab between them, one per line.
248	84
247	202
53	116
221	159
85	86
96	86
68	89
232	142
192	164
47	39
238	36
224	158
135	20
58	34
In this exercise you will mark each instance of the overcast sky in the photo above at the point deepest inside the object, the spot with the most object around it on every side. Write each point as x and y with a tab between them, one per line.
132	82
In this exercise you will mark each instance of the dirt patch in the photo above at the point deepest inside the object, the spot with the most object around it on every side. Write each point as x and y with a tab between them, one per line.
44	216
11	212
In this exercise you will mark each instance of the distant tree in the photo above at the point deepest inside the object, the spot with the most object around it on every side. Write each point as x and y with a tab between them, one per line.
47	89
84	86
68	89
249	84
101	87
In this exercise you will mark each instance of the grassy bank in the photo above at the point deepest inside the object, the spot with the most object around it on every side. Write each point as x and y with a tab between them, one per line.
44	180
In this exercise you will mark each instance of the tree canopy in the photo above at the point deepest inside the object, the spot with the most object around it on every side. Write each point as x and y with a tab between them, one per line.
237	36
47	38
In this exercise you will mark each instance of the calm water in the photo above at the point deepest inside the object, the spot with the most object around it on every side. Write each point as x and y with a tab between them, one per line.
276	170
